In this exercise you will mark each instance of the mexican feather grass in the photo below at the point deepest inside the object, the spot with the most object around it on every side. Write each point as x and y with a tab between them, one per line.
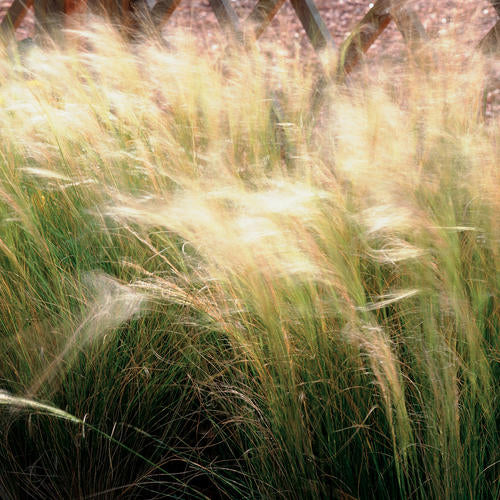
195	306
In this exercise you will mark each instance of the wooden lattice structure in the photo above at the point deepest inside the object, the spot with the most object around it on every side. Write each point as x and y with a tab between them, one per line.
134	15
131	14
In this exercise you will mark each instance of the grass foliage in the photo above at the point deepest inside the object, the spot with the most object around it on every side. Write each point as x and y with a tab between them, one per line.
196	303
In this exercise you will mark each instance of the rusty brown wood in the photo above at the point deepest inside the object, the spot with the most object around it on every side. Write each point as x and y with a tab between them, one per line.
48	15
313	24
14	17
262	14
357	43
363	35
75	7
162	10
372	25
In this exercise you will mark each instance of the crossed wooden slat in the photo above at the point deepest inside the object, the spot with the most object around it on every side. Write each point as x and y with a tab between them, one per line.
361	38
364	34
367	30
14	16
258	20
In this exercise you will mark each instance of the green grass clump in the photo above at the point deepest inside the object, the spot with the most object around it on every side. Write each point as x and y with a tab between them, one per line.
195	305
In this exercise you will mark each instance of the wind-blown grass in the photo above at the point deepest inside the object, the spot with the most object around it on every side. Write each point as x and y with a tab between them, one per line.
217	309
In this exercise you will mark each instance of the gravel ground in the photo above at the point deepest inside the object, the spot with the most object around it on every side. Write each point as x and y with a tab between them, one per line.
469	20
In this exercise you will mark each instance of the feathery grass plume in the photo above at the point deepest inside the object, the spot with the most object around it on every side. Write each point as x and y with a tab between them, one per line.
7	399
109	305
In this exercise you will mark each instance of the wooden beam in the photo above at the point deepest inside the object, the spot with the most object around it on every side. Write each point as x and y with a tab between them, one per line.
162	10
313	24
261	16
230	23
227	18
408	24
49	15
363	35
14	17
491	41
72	6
